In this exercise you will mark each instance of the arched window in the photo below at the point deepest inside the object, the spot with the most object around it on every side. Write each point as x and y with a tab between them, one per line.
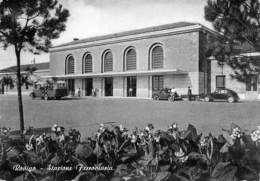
108	62
87	63
157	57
70	65
130	59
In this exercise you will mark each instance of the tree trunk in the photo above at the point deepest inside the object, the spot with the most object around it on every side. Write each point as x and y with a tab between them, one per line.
18	74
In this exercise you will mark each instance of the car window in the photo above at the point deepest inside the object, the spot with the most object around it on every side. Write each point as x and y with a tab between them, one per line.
223	91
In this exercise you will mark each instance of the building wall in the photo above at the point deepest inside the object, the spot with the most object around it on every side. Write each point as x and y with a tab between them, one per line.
118	84
97	84
204	65
143	86
231	83
180	52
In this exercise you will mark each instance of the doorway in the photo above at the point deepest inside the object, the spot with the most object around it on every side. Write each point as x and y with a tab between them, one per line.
251	87
71	86
131	86
88	86
108	86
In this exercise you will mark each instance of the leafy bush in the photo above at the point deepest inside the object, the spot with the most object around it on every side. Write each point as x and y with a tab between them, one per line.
148	154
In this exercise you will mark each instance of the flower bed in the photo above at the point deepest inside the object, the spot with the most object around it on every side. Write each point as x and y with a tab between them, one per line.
115	154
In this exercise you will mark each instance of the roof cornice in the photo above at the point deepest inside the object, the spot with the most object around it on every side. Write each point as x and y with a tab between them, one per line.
126	38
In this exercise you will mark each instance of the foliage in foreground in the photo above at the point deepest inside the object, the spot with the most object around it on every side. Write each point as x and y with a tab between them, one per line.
149	154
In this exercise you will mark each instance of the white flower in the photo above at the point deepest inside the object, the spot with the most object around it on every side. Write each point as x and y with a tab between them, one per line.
236	133
157	138
39	140
173	126
58	129
101	128
29	147
133	139
179	153
255	136
54	127
125	133
203	142
121	127
183	159
61	138
149	127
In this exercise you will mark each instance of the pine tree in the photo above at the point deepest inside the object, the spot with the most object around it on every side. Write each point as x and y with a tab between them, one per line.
238	22
30	25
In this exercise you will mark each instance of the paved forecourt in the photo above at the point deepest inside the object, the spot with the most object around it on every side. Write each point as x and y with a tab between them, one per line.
87	113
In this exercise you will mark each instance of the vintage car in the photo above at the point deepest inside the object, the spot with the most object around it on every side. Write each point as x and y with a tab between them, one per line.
166	94
49	90
223	94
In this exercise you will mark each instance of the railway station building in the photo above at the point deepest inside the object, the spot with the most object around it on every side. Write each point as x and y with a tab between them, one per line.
136	63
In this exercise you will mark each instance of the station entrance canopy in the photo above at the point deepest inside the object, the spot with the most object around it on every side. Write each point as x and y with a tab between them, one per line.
122	74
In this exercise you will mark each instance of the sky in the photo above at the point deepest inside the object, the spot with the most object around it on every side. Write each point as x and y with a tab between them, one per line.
90	18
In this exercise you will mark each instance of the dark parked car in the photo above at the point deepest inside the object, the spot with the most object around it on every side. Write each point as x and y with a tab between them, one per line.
222	94
166	94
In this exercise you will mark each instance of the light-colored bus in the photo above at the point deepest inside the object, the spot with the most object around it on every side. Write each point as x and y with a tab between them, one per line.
49	90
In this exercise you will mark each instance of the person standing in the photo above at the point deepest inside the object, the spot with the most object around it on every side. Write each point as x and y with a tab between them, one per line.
79	92
130	91
189	94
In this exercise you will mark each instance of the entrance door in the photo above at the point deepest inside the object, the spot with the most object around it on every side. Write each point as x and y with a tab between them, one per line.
131	86
251	87
157	83
71	86
108	86
88	86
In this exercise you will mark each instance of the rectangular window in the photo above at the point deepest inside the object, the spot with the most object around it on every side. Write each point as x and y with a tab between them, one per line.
157	83
251	83
220	81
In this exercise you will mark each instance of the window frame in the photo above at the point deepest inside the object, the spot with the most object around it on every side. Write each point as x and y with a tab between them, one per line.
103	61
151	54
224	81
84	63
125	68
67	65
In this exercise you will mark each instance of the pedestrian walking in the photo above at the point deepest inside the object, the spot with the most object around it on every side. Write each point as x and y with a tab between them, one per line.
189	94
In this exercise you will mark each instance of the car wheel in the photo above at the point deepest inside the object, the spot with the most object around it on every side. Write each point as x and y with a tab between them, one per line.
171	98
156	97
46	97
206	99
231	99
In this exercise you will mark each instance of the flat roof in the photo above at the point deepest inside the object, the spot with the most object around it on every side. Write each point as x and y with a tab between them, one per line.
38	66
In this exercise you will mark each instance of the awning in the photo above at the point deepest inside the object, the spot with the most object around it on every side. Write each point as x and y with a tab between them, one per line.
122	74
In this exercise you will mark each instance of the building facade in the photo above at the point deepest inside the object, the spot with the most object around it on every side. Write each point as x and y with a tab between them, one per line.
41	70
248	89
136	63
